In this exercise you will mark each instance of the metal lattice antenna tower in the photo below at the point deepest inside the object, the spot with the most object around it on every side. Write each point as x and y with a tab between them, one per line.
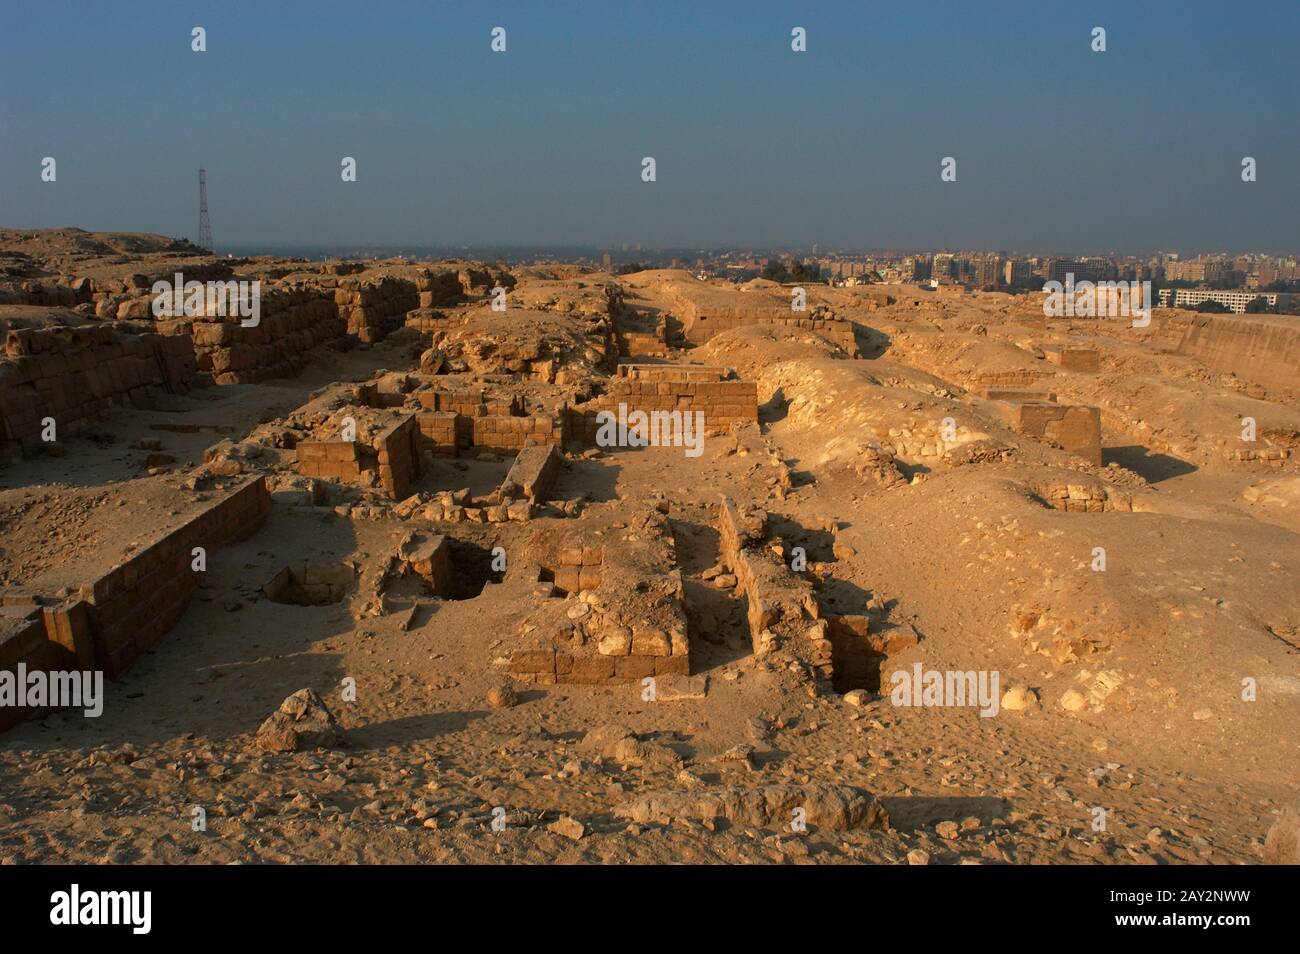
205	226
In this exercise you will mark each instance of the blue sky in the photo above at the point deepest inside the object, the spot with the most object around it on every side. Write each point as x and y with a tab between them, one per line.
1058	148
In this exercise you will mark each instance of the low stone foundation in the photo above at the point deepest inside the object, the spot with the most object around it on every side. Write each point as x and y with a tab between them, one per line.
127	610
1075	428
1087	360
782	609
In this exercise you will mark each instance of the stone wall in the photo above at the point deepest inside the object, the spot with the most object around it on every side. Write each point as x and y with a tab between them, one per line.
374	307
136	602
1017	379
702	319
612	610
80	375
723	402
1074	359
857	652
127	610
1261	349
23	641
334	460
438	432
510	434
398	452
532	474
782	610
1075	428
293	321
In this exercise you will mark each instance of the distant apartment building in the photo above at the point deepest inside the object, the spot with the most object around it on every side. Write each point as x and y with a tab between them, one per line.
1018	273
922	268
1234	299
1197	270
986	272
1083	269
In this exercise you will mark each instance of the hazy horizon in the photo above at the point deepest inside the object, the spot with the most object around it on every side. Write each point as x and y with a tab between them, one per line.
1059	149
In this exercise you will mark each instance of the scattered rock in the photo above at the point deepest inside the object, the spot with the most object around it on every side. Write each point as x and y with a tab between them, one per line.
502	696
302	722
568	828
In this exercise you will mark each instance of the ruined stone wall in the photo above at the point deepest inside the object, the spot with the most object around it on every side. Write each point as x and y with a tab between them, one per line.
1087	360
723	403
438	432
1261	349
702	320
136	602
673	372
398	453
293	322
1018	379
23	641
1076	428
374	307
78	376
333	460
447	432
470	403
510	434
782	610
125	611
612	609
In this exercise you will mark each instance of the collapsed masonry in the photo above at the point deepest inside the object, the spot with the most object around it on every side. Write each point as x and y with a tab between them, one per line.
839	651
611	606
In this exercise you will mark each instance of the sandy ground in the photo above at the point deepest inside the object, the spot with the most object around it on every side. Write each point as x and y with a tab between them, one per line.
1199	594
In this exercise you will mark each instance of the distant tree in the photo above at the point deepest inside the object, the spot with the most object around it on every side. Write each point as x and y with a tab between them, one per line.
1211	305
774	270
629	268
1257	306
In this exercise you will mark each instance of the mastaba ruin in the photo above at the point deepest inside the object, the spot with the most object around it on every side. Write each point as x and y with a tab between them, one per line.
459	561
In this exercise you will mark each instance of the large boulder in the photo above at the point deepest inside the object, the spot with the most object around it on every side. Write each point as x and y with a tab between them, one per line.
302	722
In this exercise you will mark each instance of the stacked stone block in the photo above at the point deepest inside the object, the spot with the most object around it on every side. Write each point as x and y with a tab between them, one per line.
782	610
723	402
704	317
398	454
374	307
333	460
532	474
135	603
293	321
1087	360
1075	428
79	376
23	641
